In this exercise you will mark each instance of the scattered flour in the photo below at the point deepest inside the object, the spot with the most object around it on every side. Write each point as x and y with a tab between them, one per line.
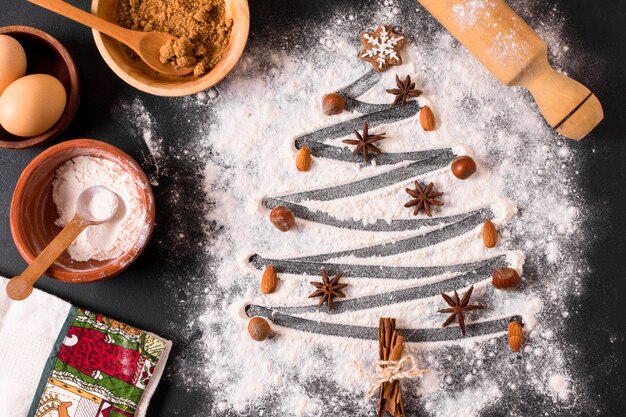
527	174
560	386
142	124
468	12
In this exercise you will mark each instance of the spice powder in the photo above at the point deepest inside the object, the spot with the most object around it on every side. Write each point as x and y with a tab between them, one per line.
201	26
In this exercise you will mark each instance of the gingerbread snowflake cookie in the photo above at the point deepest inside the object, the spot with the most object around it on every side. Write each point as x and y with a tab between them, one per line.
381	47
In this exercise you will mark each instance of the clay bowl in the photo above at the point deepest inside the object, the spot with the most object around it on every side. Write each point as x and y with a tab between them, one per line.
137	74
33	212
45	55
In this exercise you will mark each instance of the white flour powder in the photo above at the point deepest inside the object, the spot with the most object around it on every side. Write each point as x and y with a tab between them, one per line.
108	240
103	204
527	175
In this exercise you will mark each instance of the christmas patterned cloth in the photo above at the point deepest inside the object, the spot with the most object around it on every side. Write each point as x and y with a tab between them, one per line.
60	360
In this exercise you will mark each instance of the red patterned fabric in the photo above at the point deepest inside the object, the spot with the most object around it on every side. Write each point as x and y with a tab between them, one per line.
92	353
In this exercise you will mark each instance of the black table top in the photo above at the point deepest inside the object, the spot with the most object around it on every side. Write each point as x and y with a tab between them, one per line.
149	293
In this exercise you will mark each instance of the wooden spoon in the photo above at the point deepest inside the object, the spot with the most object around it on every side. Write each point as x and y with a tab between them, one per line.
21	286
145	44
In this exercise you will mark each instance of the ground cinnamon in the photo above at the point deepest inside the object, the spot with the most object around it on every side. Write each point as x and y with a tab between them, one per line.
202	27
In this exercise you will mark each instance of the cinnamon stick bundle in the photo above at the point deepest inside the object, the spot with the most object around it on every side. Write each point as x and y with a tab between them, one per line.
390	348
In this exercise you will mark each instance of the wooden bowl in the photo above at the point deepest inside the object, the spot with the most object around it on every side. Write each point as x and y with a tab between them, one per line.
140	76
44	55
33	212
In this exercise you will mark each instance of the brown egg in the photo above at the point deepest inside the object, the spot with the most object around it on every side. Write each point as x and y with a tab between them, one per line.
12	61
32	105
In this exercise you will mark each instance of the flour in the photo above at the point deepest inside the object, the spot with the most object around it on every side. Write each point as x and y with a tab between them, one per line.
114	237
103	205
468	12
143	124
527	180
560	386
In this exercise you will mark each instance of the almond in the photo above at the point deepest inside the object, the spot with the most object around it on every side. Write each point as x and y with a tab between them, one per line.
427	119
490	234
259	329
303	159
516	336
282	218
269	280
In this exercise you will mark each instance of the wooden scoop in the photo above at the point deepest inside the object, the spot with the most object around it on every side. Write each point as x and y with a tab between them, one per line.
516	55
145	44
21	286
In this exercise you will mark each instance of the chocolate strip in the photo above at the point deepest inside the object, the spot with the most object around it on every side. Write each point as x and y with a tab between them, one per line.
314	140
379	225
405	245
374	114
371	271
404	295
437	159
449	333
361	86
357	89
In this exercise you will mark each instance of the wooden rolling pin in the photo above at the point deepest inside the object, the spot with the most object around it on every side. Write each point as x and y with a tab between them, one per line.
516	55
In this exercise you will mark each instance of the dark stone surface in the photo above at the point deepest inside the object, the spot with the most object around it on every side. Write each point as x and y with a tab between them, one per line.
144	295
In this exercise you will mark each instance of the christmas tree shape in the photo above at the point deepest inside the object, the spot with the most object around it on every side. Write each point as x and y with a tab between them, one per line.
407	167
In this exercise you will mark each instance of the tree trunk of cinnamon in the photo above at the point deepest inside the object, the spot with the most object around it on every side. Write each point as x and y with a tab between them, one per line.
390	348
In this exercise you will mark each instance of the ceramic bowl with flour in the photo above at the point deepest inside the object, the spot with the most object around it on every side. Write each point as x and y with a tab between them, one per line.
44	201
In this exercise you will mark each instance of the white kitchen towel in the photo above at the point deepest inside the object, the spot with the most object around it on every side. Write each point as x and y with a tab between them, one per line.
57	357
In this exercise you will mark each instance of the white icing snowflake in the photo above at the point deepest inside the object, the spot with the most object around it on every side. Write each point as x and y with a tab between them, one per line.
382	47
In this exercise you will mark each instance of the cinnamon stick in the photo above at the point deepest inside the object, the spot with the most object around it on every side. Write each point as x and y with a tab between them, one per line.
390	348
386	330
381	355
396	354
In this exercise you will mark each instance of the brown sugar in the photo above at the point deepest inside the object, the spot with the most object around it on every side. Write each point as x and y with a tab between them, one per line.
201	26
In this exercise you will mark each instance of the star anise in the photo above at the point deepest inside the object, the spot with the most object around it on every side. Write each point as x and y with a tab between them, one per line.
365	142
457	308
405	90
328	289
423	198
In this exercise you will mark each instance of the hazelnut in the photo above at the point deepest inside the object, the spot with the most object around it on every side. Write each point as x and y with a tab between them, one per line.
282	218
506	279
259	329
332	104
463	167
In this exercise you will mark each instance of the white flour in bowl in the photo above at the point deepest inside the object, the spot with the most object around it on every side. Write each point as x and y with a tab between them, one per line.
103	205
112	238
